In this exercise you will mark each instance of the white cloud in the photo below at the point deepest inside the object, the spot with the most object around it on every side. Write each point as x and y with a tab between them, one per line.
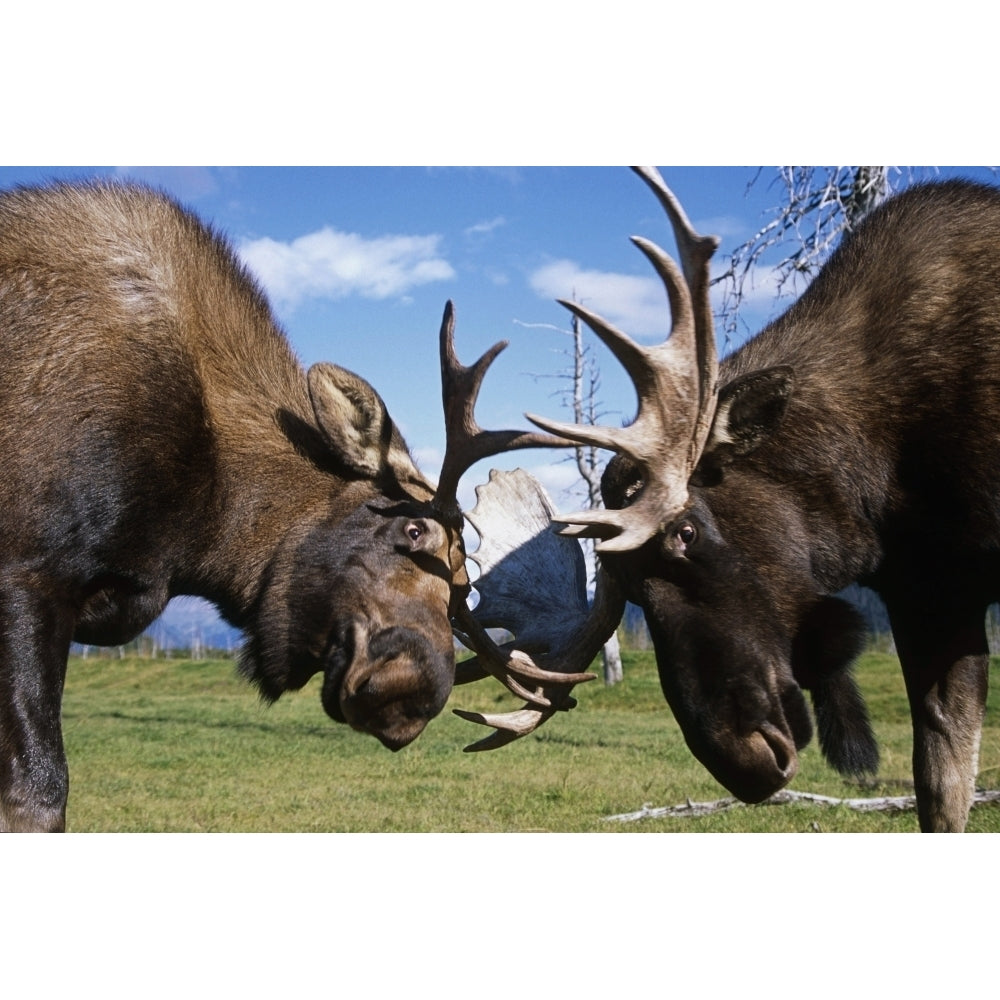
485	228
633	304
729	228
562	483
638	305
429	461
331	264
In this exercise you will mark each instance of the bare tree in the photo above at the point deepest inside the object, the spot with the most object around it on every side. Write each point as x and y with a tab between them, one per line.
582	396
821	204
586	382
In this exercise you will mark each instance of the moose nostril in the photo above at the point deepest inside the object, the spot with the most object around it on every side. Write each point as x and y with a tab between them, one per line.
395	683
785	757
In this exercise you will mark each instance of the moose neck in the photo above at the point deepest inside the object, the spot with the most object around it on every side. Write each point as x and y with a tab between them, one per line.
831	451
862	445
271	472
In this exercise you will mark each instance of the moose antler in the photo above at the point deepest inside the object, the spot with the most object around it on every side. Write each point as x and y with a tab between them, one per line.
467	443
677	386
532	583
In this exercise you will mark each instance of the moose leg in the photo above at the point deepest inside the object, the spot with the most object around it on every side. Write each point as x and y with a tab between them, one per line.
945	665
34	782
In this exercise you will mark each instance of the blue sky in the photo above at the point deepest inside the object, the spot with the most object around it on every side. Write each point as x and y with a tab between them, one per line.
359	262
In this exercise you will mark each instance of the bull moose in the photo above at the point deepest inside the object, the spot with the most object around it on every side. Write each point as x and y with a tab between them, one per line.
158	437
855	438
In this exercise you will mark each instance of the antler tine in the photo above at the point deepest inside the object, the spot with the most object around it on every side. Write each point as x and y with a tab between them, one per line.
508	664
467	442
609	604
659	377
694	249
676	385
695	252
508	726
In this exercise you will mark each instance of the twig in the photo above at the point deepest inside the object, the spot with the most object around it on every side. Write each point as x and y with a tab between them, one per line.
898	803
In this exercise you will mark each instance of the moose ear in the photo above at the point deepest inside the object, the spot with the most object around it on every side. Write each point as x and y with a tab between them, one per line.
748	412
352	417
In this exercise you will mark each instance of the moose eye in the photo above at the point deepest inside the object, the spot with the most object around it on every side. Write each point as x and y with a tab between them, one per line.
686	533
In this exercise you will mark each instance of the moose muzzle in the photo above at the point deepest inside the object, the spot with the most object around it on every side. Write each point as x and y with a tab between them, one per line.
389	684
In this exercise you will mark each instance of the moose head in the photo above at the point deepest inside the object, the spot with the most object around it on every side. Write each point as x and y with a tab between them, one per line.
369	598
713	553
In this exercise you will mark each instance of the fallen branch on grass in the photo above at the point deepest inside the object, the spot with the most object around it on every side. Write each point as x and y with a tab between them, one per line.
889	803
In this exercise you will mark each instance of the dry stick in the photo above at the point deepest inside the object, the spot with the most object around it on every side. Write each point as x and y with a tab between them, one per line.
899	803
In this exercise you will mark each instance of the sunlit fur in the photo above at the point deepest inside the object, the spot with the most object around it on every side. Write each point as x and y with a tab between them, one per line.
158	437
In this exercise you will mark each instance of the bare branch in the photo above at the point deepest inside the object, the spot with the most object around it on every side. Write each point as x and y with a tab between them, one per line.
689	809
581	394
821	204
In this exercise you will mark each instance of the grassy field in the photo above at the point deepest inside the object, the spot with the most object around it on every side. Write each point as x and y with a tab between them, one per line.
172	745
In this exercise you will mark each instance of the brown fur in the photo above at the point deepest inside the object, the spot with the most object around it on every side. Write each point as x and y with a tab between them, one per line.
873	455
158	437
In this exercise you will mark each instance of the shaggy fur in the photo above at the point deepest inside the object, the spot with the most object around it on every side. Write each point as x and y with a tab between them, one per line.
158	437
871	411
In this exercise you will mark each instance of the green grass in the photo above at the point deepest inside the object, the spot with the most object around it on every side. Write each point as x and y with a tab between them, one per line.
168	745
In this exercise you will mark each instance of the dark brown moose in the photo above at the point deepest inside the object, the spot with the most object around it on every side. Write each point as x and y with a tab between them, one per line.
856	438
157	437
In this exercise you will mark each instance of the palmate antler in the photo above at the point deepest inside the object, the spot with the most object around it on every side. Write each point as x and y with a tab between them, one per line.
677	386
544	686
532	583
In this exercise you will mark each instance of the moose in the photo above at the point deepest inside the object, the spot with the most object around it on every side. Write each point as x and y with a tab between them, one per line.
855	438
158	437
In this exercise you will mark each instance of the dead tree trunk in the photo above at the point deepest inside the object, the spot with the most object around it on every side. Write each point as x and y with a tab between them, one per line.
582	398
586	380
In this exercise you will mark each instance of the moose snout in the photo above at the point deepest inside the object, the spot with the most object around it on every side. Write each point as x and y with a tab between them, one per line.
752	766
773	763
751	744
396	683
